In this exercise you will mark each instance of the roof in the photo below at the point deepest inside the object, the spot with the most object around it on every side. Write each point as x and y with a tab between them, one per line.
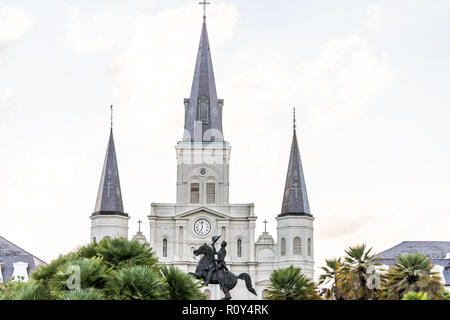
437	251
11	253
295	197
203	92
432	249
109	196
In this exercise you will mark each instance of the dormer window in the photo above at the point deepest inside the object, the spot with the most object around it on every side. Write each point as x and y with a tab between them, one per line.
203	109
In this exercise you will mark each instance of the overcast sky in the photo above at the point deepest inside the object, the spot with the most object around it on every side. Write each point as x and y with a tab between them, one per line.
370	81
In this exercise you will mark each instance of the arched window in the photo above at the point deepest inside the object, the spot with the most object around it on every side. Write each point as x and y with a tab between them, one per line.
210	193
297	246
165	248
239	248
309	247
283	246
203	109
195	192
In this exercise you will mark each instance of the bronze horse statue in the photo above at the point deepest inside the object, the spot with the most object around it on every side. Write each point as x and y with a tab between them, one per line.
226	279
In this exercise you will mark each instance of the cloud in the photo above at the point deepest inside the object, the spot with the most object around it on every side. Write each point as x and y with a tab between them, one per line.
6	103
89	37
373	21
343	78
14	22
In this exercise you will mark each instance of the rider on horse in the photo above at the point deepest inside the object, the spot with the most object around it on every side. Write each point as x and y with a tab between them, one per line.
219	263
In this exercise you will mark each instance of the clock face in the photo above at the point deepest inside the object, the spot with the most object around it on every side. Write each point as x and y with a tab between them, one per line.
202	227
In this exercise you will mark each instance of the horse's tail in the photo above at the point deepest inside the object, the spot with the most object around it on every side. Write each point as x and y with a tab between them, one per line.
248	282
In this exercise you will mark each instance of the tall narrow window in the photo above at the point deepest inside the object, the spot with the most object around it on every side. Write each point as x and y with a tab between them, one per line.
223	233
195	193
210	192
203	109
297	246
165	248
309	247
180	242
239	248
283	246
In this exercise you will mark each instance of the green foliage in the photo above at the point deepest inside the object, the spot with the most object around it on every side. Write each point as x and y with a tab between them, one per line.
32	290
112	269
413	272
46	272
446	295
416	296
93	273
136	283
291	284
119	253
351	278
181	286
355	279
83	294
333	270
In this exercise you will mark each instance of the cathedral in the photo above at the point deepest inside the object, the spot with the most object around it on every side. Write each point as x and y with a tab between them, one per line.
202	208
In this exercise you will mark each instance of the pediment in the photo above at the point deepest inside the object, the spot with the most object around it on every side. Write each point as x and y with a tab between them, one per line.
189	212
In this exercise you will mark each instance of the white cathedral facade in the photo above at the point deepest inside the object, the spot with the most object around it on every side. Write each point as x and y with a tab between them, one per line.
202	208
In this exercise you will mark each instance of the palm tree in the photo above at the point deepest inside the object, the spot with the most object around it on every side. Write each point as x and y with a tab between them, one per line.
136	283
181	285
121	252
291	284
355	281
332	271
413	272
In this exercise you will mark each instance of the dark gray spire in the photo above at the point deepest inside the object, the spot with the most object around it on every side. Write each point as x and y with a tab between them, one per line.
109	197
203	111
295	198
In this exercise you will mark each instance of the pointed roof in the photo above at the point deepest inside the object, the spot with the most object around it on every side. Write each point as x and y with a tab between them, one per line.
203	87
109	197
10	254
295	198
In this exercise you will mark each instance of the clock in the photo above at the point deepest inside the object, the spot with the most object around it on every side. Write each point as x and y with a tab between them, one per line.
202	227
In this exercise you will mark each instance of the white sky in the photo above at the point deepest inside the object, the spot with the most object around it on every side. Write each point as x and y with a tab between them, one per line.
370	80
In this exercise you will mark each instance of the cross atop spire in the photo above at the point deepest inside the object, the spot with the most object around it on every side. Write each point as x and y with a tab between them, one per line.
265	225
204	3
139	222
111	116
295	124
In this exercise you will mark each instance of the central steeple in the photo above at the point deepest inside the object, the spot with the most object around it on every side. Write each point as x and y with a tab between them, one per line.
203	110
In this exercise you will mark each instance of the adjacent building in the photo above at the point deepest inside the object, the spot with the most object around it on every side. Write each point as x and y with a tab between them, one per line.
437	251
15	263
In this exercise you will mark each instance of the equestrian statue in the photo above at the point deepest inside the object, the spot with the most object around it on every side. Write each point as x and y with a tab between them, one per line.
215	271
